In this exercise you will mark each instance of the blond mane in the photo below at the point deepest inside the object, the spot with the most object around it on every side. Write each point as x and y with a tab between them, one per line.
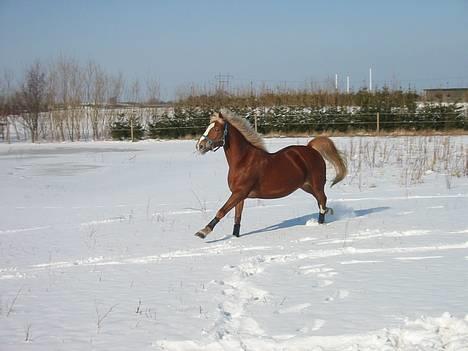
243	126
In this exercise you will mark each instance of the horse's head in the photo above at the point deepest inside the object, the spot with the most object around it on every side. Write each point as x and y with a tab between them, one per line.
214	136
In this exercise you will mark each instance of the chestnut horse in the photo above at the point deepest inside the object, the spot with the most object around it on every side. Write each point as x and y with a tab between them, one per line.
256	173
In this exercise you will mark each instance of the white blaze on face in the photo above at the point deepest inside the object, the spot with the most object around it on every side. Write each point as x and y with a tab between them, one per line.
206	132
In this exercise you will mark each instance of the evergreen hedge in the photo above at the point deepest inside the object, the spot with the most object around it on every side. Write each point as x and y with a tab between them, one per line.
121	129
190	122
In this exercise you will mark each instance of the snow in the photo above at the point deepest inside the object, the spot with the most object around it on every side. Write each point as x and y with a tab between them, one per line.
97	251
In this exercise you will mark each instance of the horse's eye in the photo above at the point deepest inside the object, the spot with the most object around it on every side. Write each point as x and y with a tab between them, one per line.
216	129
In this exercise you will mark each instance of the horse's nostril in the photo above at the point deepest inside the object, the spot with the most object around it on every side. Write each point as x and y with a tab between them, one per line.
200	147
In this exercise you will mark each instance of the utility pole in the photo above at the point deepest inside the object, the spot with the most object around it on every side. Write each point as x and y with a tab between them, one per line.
370	79
223	82
336	81
347	84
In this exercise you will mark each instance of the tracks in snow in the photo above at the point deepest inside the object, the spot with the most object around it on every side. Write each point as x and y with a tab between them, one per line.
229	248
236	328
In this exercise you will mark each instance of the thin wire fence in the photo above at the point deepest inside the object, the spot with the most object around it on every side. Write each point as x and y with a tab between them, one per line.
331	123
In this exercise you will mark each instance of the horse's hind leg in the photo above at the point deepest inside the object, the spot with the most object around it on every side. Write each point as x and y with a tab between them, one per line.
322	204
237	218
319	193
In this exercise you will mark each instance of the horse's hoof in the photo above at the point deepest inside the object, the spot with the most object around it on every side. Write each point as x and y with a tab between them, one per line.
200	235
236	230
321	218
203	232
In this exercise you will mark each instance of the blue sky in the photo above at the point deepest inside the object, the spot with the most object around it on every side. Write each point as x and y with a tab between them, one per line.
424	43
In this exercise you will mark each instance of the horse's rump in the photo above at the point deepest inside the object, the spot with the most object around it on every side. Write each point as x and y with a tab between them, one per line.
287	170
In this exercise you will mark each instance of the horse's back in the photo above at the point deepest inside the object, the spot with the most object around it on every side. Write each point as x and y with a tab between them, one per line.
302	154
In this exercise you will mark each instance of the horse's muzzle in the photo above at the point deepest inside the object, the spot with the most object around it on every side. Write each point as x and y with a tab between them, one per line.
202	147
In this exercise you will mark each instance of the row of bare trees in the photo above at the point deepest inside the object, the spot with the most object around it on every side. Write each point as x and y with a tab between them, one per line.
311	97
64	99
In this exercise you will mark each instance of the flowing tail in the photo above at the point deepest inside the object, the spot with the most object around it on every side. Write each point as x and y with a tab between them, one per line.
329	152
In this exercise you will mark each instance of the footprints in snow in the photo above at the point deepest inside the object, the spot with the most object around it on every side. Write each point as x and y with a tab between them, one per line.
316	325
240	294
324	277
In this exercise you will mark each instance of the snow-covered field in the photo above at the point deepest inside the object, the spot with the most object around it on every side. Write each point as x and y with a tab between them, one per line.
97	251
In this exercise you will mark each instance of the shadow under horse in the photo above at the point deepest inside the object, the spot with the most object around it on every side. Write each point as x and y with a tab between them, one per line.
302	220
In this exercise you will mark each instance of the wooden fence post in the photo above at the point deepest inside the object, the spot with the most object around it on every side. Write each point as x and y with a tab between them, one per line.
378	122
465	120
8	131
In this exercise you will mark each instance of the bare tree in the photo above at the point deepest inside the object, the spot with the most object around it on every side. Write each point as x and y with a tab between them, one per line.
60	80
96	92
54	119
71	90
33	97
117	85
135	91
7	103
76	98
153	91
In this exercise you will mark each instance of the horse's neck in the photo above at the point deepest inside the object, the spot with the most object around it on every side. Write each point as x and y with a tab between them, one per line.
237	147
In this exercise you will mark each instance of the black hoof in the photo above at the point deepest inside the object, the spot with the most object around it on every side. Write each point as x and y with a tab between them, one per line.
321	218
236	231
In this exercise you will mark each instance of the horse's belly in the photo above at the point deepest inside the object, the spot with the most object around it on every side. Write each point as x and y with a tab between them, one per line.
276	184
270	194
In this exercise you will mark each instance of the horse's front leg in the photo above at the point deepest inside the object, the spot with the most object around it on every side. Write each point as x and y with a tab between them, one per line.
237	218
233	200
